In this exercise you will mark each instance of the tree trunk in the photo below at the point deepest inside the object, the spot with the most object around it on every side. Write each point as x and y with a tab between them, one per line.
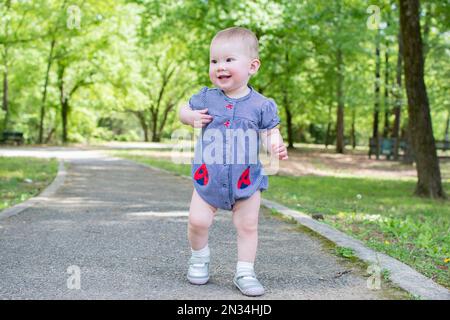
327	136
286	102
50	135
64	116
446	137
376	111
169	106
398	98
353	131
44	93
155	135
421	130
5	100
340	99
408	155
64	99
289	129
141	117
386	92
288	119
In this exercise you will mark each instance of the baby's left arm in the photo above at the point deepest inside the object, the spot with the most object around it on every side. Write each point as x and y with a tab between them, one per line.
273	138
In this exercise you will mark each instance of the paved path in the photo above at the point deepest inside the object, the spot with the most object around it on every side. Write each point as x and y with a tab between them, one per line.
125	228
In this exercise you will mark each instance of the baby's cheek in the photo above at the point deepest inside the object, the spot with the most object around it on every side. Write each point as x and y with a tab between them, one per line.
212	75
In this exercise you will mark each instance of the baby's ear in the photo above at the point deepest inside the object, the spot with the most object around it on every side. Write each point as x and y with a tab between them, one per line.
254	66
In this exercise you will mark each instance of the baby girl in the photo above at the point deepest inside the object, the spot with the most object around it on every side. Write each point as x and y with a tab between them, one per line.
232	109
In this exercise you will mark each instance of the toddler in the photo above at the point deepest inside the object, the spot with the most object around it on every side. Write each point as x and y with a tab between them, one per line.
233	109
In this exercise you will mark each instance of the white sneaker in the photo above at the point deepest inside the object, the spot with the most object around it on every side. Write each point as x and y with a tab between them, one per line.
247	283
198	272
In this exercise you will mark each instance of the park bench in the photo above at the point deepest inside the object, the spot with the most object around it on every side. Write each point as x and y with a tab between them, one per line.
386	147
12	137
443	145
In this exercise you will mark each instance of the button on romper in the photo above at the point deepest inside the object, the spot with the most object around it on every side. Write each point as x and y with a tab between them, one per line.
226	166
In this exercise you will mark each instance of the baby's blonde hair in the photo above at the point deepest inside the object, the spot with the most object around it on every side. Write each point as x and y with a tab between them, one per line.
243	34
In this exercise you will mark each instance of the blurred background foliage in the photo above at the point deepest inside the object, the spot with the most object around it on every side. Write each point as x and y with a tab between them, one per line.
87	70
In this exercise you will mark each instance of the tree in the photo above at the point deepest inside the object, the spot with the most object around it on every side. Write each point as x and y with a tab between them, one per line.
14	17
317	64
164	88
387	111
377	82
397	92
420	126
55	28
76	55
340	101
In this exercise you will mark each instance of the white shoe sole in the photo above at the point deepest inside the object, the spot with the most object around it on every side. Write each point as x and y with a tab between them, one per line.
250	293
198	281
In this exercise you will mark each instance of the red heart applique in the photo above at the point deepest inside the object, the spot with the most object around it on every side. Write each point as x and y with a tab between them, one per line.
244	179
201	175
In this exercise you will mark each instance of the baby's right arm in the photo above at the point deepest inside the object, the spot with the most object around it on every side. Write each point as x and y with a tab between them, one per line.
194	118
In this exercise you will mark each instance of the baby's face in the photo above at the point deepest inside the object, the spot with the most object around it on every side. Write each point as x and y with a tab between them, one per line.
230	65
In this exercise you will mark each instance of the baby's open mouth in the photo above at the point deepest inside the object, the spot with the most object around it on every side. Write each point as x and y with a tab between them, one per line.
224	77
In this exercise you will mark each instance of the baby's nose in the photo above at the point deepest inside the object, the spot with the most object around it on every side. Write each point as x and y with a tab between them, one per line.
221	67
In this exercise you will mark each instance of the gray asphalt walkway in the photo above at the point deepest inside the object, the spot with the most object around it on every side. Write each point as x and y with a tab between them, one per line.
125	228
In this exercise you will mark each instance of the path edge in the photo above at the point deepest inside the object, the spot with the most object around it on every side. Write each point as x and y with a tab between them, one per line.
43	196
400	274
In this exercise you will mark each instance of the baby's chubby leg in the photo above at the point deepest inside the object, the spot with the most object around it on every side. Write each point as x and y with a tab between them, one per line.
245	219
201	215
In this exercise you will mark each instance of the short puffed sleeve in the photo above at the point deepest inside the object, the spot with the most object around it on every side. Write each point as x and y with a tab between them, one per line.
269	115
198	100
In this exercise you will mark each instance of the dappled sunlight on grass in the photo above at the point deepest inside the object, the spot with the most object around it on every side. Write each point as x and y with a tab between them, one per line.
22	178
369	196
422	241
384	214
10	174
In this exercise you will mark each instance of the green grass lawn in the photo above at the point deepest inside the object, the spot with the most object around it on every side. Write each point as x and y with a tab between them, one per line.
381	213
22	178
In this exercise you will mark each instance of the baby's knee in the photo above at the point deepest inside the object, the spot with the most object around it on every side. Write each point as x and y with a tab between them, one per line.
246	226
197	221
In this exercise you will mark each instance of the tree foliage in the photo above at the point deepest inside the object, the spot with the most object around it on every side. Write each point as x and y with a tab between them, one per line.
82	70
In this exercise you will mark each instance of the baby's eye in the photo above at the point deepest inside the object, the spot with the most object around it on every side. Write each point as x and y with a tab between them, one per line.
229	59
213	61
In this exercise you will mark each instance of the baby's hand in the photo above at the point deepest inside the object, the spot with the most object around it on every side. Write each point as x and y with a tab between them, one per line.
280	151
200	118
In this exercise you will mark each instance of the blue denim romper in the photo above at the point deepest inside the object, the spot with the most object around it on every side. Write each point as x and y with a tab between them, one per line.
226	180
